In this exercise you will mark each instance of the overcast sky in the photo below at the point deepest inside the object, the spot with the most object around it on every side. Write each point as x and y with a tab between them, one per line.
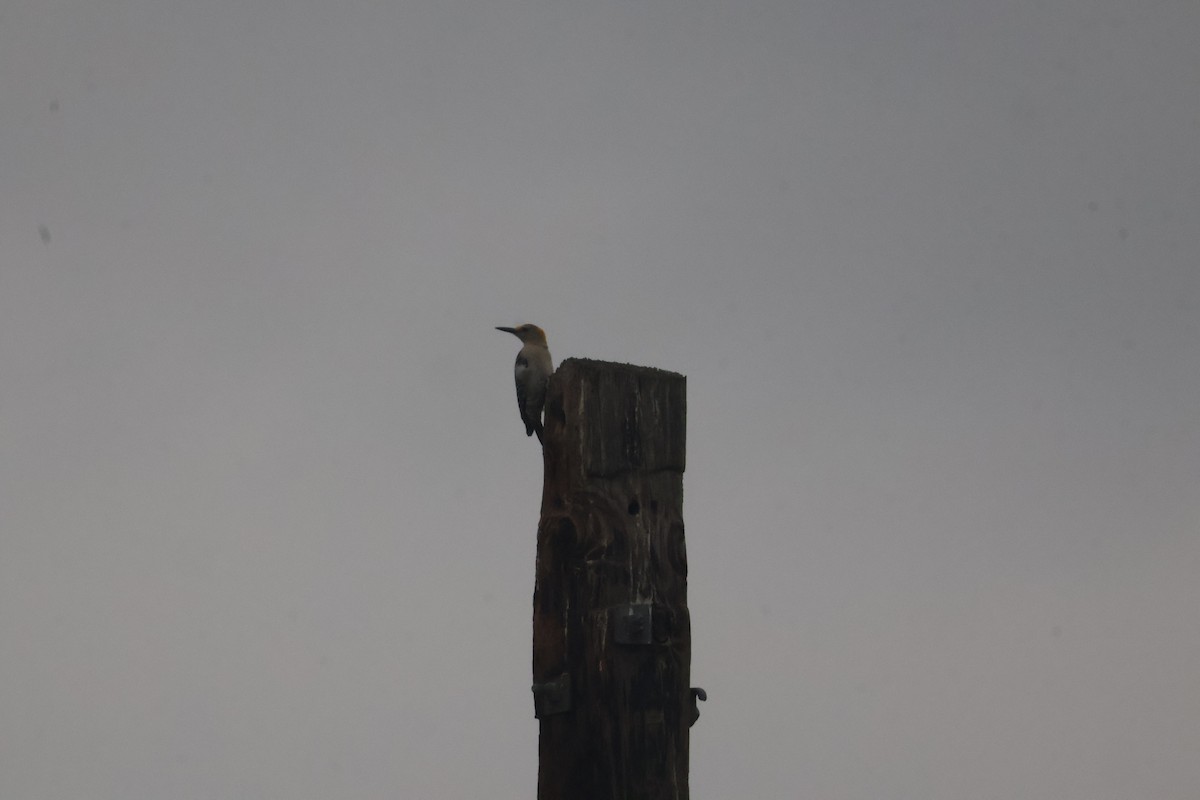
932	268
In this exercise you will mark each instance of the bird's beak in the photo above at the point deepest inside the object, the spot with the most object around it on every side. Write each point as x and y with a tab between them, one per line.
513	331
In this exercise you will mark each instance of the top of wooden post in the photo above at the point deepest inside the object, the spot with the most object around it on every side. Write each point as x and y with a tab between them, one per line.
635	417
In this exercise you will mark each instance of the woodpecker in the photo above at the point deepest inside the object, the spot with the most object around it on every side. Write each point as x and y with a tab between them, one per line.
532	371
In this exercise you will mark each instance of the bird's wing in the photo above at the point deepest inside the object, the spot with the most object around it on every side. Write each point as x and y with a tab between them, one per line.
520	369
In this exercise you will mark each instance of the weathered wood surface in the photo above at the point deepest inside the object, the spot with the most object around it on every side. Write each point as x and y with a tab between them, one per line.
611	687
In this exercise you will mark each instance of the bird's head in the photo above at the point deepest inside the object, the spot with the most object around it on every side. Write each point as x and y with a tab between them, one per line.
527	333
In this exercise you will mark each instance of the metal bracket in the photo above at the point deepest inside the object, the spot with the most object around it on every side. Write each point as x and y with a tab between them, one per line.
698	696
633	623
552	697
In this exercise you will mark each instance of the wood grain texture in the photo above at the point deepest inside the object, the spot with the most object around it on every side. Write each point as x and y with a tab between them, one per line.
611	539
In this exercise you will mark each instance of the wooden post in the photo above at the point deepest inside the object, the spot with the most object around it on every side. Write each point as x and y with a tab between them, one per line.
611	632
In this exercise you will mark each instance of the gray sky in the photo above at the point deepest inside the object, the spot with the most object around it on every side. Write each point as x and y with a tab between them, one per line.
932	269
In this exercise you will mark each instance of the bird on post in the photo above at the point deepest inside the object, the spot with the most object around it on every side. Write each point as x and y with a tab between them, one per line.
532	371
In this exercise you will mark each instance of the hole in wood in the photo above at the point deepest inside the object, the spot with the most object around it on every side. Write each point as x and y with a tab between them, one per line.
634	507
564	537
